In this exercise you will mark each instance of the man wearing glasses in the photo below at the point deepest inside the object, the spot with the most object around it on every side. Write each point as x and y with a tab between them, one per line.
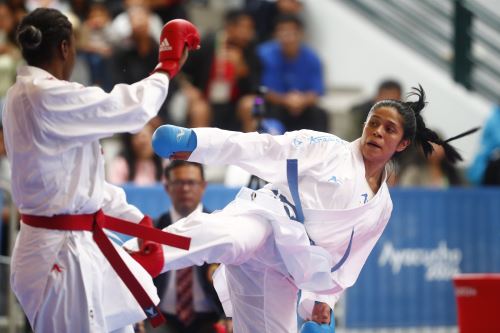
187	297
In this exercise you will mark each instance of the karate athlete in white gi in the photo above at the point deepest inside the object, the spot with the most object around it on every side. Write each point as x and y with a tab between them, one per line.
265	250
62	278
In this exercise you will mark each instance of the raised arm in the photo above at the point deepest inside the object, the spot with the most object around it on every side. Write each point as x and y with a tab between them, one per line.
263	155
90	113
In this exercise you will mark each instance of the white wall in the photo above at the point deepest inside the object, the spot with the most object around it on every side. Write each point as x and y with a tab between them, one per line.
355	53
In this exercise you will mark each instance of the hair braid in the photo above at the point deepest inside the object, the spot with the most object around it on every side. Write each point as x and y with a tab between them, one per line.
423	135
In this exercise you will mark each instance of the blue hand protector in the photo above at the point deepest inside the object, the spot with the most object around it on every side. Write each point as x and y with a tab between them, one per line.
169	139
314	327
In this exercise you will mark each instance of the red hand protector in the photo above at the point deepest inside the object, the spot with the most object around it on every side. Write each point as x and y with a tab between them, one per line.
150	256
176	34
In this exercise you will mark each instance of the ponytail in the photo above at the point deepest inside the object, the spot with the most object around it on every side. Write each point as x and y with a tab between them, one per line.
424	136
414	126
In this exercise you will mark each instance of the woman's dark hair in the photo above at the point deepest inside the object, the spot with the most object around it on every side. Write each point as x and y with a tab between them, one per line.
129	155
414	125
41	32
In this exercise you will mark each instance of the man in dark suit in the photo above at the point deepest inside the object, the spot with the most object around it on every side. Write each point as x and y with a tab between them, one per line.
187	297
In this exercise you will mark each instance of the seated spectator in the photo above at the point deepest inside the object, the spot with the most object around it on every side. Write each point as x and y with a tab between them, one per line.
435	171
485	169
188	299
168	9
226	70
121	26
387	89
137	163
266	12
95	44
292	73
10	55
5	177
137	58
18	8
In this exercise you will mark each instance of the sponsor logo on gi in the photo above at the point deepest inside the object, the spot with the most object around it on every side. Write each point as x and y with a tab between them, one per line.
334	179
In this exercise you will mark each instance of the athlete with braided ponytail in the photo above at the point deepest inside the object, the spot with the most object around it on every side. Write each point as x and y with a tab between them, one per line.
311	228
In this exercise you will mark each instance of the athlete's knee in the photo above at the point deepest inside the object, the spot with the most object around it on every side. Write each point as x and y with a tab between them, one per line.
250	232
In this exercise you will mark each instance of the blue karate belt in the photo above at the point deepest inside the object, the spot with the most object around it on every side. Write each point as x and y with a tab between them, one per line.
295	211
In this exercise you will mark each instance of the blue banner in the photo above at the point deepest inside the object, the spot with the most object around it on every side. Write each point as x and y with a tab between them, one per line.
154	201
431	236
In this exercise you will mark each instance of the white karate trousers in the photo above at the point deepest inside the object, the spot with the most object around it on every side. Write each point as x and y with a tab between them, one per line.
262	295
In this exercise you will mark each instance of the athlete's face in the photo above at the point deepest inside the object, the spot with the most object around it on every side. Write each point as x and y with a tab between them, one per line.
383	135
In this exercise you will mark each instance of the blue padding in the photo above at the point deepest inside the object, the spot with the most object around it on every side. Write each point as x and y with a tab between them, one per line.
431	236
154	201
168	139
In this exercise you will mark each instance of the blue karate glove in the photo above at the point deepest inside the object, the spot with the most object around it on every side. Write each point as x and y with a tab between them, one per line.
168	140
314	327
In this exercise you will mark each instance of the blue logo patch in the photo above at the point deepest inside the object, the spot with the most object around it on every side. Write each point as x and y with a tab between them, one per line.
335	180
151	312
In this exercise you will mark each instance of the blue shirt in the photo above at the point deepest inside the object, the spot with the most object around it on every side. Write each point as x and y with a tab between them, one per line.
490	140
282	75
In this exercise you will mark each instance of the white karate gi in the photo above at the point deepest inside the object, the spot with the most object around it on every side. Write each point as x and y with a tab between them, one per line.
267	256
51	129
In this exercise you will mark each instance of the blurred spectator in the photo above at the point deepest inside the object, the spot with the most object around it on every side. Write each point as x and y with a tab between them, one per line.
121	26
136	59
186	105
18	8
226	70
10	55
168	9
5	187
81	8
434	171
293	75
485	169
190	305
387	89
60	5
266	12
137	163
95	44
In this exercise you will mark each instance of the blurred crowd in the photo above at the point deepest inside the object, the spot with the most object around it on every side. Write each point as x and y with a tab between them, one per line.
253	53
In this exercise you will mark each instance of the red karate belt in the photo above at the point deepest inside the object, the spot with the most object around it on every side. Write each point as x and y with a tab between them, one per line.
96	223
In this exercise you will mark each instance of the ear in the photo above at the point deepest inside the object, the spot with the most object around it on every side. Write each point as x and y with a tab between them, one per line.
403	144
65	49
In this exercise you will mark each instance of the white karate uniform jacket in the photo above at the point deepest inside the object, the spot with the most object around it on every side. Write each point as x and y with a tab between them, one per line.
334	196
51	130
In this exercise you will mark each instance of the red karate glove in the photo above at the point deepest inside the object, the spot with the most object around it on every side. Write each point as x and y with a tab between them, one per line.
176	34
150	254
